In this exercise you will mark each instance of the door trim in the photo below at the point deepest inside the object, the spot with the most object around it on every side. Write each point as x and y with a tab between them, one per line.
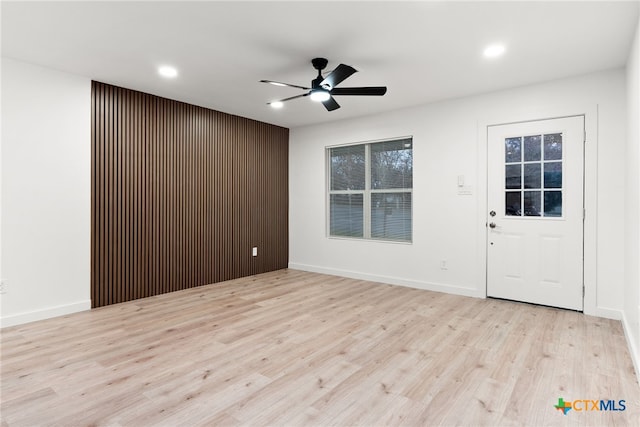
590	267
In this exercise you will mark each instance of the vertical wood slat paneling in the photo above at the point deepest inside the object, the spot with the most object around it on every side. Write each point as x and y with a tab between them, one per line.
180	195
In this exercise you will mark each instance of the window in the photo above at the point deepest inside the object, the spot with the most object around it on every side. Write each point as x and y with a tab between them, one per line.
370	189
533	175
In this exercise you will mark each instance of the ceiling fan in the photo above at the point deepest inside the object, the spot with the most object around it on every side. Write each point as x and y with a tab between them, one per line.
323	89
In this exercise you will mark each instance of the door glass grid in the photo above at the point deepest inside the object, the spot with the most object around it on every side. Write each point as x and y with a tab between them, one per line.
533	175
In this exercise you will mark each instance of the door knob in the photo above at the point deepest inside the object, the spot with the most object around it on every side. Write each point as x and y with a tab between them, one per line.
492	225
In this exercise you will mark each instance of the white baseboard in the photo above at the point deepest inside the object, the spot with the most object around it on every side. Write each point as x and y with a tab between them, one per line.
456	290
633	346
607	313
46	313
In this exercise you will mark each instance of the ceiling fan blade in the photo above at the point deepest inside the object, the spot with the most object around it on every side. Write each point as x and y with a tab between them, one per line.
370	91
337	75
331	104
284	84
290	98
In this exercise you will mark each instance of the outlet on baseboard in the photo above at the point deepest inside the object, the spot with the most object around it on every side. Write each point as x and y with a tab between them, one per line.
254	251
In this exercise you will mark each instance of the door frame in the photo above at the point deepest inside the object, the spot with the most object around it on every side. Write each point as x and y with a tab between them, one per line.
570	226
590	188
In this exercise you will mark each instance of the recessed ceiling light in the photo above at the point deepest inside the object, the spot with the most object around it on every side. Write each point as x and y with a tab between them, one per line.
167	71
494	50
276	104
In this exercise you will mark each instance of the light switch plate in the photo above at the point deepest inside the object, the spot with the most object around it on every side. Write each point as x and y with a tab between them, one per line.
465	191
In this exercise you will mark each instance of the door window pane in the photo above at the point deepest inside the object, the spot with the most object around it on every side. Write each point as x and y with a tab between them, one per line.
346	215
553	175
512	176
512	204
532	203
512	150
533	163
553	146
532	177
391	216
532	151
553	203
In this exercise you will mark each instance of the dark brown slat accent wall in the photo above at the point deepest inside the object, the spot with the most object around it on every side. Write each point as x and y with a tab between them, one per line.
180	195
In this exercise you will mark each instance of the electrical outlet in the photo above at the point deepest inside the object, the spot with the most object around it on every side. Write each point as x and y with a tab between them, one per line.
3	287
254	252
443	265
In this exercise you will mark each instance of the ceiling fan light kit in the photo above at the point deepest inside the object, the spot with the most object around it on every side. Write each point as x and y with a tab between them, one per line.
323	89
319	95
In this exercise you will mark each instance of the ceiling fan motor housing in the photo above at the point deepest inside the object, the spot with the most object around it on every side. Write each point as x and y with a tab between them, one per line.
319	63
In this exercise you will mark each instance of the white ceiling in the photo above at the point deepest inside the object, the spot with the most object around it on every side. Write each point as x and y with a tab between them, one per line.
422	51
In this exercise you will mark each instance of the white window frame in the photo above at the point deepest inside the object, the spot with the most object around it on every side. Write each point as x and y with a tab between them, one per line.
366	193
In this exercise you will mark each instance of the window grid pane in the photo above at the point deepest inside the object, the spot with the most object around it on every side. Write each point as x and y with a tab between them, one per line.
532	150
347	215
348	168
391	216
553	146
392	165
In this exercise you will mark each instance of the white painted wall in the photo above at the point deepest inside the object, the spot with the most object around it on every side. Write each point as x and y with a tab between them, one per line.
632	209
45	203
46	192
450	140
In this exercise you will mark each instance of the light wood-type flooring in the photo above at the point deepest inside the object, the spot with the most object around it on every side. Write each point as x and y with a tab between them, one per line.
291	348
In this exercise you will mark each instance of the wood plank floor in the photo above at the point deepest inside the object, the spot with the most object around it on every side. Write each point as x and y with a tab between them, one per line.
290	348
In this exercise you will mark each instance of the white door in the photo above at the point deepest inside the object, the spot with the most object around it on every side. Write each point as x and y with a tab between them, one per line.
535	212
